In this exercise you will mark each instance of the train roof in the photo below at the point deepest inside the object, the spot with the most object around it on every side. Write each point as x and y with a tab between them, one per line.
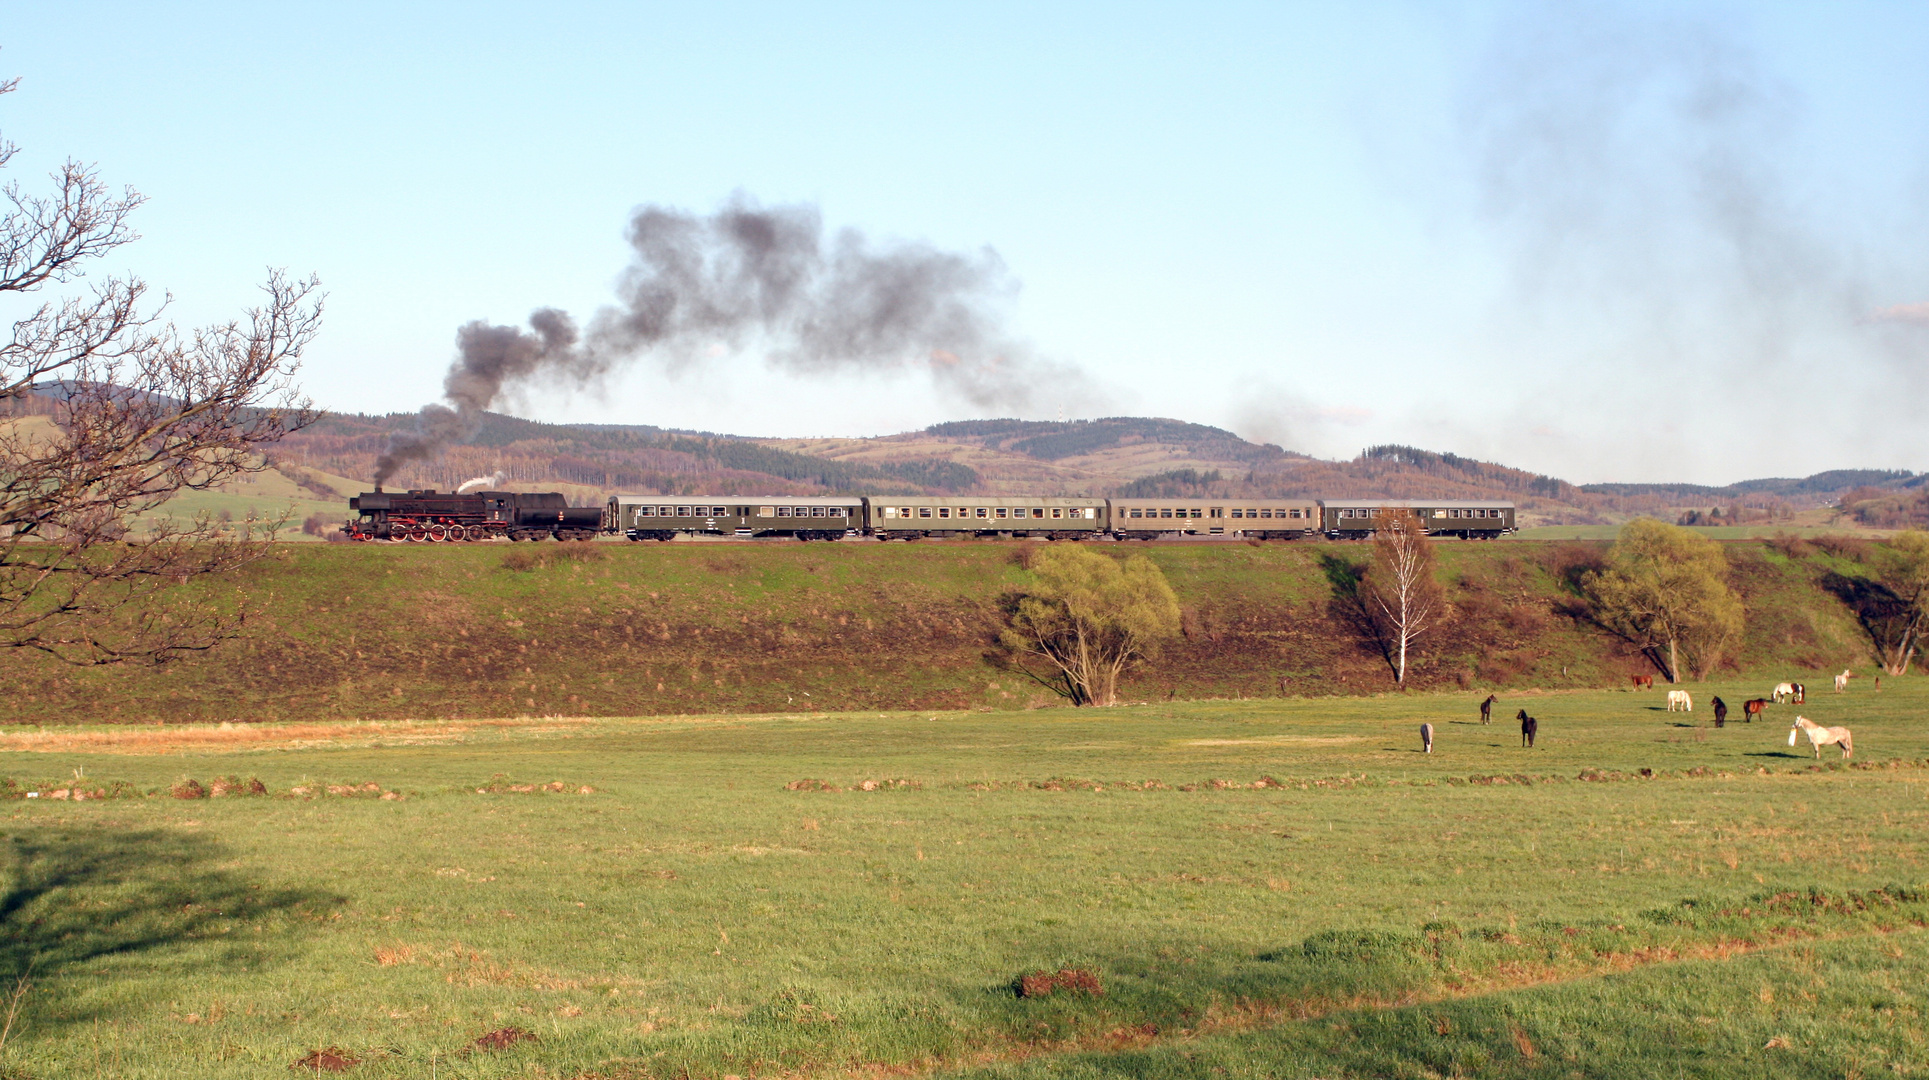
741	500
1448	504
1221	500
988	500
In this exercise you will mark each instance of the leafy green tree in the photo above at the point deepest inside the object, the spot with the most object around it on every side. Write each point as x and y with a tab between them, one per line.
1665	590
1902	571
1089	616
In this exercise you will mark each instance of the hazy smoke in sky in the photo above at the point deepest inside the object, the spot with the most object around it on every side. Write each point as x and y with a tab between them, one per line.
701	285
1640	174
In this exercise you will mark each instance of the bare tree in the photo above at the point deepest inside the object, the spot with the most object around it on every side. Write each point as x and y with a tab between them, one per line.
110	412
1402	593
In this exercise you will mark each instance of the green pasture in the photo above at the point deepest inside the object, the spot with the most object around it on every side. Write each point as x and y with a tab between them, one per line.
1366	910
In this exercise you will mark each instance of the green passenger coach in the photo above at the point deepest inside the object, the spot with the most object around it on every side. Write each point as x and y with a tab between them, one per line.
909	517
661	517
1471	519
1264	519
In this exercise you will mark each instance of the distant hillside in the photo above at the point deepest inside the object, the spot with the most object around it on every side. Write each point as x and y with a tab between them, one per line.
1118	455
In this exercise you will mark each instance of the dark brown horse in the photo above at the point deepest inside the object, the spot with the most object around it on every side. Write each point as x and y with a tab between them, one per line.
1721	712
1529	727
1487	709
1751	709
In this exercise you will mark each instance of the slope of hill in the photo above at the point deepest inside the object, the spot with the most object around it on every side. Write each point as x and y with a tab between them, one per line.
618	629
320	466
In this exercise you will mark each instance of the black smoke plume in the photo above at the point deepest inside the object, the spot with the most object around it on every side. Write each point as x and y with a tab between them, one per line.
748	276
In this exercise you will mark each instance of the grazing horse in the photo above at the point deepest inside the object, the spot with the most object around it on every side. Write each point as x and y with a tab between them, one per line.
1721	712
1752	708
1782	690
1426	737
1842	680
1681	698
1820	736
1643	682
1529	727
1487	709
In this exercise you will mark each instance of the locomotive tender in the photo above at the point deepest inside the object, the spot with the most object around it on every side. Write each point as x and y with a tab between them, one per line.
430	515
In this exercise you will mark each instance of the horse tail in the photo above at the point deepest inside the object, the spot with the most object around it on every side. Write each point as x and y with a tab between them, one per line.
1848	744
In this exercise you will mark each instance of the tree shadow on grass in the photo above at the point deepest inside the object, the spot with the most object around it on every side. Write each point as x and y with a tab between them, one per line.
78	897
1349	606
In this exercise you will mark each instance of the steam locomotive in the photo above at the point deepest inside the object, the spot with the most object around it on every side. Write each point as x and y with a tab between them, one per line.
478	515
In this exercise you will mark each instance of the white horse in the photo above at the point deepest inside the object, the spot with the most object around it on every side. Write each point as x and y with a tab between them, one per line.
1781	691
1842	680
1681	698
1820	736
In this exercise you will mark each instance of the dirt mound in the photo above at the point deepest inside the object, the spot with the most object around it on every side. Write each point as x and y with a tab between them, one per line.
188	789
328	1059
811	785
502	1039
499	786
1069	980
369	790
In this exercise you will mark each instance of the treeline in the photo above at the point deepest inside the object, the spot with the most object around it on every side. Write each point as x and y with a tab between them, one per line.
612	458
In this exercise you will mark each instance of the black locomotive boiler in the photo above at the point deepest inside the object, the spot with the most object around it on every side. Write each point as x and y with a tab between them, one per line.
438	516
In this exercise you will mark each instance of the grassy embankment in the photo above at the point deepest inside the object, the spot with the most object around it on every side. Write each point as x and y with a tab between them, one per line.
1376	914
397	631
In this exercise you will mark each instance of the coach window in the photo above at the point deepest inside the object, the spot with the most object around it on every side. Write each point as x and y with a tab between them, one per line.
1217	511
783	511
924	511
890	511
1091	513
766	511
646	511
944	511
1058	511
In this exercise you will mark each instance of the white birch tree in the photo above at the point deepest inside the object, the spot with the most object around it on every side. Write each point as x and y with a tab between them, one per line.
1402	594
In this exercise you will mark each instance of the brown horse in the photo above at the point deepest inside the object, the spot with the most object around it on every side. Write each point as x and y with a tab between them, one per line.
1751	709
1487	709
1529	727
1721	712
1643	682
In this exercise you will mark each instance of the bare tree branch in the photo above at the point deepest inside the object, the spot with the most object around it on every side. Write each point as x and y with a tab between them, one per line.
106	413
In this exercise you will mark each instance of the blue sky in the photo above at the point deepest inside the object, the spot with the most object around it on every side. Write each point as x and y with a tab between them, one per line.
1610	242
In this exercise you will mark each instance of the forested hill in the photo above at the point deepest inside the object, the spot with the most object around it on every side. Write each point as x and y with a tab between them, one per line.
1108	456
